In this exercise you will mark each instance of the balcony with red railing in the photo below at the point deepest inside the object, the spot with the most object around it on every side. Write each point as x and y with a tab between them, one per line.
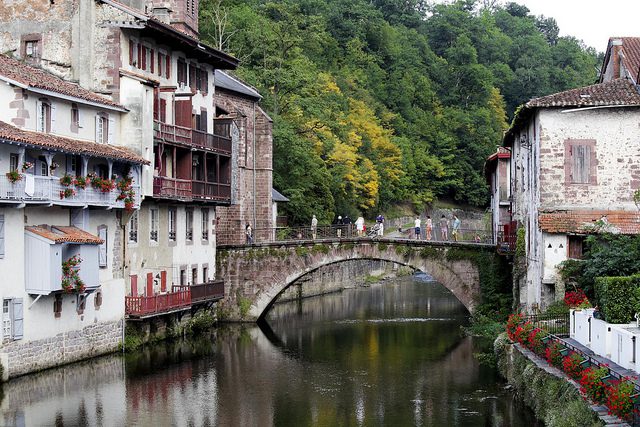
211	191
172	188
219	141
181	298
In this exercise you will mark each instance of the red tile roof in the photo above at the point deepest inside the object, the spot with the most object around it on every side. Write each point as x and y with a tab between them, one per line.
33	77
76	146
614	92
630	52
590	221
65	234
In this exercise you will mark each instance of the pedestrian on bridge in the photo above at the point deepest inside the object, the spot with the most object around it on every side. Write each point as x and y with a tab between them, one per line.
417	224
339	226
380	222
429	225
360	226
455	232
444	228
314	227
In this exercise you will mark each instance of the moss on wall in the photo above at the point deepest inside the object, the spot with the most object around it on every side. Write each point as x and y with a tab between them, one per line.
554	400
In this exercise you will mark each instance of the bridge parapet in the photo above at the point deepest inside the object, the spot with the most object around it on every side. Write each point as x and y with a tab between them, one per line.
255	275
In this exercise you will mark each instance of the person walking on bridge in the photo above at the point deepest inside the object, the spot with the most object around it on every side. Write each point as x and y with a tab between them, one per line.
455	232
417	227
314	227
429	226
444	228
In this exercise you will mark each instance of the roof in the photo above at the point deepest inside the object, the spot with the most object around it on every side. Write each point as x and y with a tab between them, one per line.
629	52
590	221
12	134
64	234
276	196
30	77
225	81
613	93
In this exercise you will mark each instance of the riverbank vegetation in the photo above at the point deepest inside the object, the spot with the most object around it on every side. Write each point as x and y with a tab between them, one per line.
377	103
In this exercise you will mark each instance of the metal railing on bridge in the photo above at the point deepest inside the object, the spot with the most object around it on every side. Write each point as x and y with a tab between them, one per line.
180	298
349	231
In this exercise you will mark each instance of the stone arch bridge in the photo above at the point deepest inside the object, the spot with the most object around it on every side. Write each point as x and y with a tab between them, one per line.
255	275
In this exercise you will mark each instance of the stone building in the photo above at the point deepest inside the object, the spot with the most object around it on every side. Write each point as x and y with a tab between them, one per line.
497	173
251	198
64	184
575	165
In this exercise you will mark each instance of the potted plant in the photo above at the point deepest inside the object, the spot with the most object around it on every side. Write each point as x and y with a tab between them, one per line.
67	192
71	275
26	166
80	182
14	176
54	166
66	180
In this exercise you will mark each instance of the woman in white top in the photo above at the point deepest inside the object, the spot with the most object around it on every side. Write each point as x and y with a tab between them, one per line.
360	226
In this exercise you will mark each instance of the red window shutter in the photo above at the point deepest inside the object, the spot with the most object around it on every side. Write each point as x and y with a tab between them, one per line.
139	55
192	77
156	104
149	284
163	281
205	81
144	58
130	52
152	60
168	67
163	110
160	59
134	285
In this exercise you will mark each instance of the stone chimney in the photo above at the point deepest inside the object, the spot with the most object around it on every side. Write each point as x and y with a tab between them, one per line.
182	14
616	58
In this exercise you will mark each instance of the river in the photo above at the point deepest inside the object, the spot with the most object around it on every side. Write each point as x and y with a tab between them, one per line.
387	355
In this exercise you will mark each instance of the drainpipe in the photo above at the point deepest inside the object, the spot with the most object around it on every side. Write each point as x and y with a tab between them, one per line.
255	226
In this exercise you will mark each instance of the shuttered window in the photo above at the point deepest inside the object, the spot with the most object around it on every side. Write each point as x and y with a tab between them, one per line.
576	247
102	249
18	318
580	161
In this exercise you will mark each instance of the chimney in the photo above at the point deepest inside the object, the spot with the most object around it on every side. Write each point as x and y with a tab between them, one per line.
616	57
181	14
162	14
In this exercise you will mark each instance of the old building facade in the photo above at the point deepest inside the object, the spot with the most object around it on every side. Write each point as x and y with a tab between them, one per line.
575	165
141	87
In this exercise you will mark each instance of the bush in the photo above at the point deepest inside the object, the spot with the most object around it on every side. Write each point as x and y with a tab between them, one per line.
618	297
571	365
553	355
619	398
512	324
534	341
592	386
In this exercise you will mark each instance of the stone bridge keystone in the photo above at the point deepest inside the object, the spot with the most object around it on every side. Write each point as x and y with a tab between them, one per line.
255	275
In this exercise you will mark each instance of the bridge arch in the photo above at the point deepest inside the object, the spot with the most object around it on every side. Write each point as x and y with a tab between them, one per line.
255	275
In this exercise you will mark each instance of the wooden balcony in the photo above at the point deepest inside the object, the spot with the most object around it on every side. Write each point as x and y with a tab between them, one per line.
192	138
211	191
47	189
172	188
181	298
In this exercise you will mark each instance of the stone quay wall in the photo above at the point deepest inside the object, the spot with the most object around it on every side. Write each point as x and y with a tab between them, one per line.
19	358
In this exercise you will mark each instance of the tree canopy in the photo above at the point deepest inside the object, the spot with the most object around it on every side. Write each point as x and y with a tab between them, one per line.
380	102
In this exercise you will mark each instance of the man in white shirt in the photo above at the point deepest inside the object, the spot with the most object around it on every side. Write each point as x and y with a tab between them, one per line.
417	227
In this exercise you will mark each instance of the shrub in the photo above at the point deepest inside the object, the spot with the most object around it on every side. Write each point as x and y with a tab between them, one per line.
619	398
571	365
575	298
591	384
534	340
618	297
512	323
523	331
553	355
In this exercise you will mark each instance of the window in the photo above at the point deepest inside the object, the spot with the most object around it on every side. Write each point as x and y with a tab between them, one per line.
57	305
12	319
102	128
194	275
192	77
44	116
97	302
189	223
205	224
75	118
172	224
205	274
576	247
133	53
580	161
13	161
183	277
102	248
182	72
133	228
153	225
31	49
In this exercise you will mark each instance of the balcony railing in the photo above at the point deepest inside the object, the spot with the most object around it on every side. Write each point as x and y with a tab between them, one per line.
47	189
211	190
171	187
181	297
192	138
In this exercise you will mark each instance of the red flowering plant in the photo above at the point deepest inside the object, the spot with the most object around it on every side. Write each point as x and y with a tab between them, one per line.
576	299
14	176
523	331
71	275
512	323
553	355
571	365
534	341
80	182
66	180
619	400
67	192
591	384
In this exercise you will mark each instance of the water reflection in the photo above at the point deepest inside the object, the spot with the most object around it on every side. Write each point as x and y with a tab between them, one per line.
386	355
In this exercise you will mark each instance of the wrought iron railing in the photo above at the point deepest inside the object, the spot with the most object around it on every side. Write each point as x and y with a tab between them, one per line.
556	324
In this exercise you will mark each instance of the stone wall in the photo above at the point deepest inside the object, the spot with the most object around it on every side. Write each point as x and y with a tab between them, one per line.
336	277
19	358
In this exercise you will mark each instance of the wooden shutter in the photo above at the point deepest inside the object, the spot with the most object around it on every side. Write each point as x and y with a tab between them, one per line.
149	284
134	285
139	55
152	60
205	81
203	120
98	129
102	249
39	121
130	52
581	155
18	318
192	77
1	236
183	113
52	117
167	70
110	129
163	280
163	110
156	99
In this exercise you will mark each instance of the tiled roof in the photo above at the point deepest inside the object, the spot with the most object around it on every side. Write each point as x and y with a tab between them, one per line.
77	146
630	53
33	77
614	92
590	221
65	234
225	81
276	196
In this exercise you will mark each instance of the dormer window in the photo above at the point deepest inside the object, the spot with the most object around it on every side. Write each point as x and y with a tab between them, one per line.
31	47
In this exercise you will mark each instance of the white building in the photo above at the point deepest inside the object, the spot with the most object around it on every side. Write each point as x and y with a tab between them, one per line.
63	191
575	164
